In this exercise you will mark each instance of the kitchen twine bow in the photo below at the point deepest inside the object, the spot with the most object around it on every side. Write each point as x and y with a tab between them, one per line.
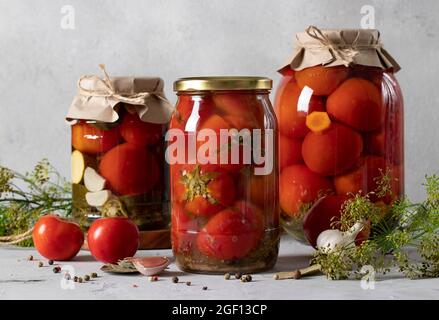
139	98
343	51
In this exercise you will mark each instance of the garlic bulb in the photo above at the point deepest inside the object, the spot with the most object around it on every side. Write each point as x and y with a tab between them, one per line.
333	239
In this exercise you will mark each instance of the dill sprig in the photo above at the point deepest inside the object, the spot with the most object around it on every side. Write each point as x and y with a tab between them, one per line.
25	197
405	236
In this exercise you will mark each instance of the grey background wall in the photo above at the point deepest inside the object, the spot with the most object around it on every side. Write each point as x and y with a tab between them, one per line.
40	62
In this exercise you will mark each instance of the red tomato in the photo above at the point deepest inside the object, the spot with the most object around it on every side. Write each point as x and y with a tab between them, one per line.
323	213
321	80
89	139
138	132
298	186
113	239
232	233
290	151
184	229
358	104
334	151
207	189
292	108
216	123
56	238
130	169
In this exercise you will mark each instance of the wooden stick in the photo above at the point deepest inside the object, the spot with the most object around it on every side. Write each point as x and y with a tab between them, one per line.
297	274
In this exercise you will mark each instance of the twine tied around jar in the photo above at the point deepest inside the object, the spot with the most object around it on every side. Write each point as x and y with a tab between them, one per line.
343	51
109	91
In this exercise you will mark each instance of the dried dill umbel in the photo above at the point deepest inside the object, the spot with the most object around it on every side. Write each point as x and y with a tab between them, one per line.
25	197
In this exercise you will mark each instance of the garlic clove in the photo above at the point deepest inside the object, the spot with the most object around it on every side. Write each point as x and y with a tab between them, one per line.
93	181
78	165
98	199
150	266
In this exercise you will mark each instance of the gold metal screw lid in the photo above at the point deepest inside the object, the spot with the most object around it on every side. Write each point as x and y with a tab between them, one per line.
223	83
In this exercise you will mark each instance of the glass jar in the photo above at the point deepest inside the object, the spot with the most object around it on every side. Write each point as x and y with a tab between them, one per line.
341	133
225	214
118	154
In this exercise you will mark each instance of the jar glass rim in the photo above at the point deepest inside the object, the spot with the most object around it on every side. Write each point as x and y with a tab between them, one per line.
223	83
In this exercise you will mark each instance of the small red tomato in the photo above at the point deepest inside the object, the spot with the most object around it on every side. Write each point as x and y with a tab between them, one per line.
56	238
232	233
138	132
207	189
89	139
113	239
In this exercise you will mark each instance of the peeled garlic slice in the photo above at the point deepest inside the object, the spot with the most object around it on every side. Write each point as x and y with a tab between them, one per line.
78	165
93	181
98	198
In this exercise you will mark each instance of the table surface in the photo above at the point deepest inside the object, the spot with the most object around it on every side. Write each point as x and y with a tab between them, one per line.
22	279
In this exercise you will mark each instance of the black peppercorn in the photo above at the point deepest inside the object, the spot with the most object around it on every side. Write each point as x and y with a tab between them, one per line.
227	276
40	264
56	269
204	288
188	283
238	275
75	279
175	279
94	275
87	277
30	258
50	262
80	280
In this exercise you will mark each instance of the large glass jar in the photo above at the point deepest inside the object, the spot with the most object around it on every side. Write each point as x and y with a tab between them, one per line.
118	154
225	215
341	130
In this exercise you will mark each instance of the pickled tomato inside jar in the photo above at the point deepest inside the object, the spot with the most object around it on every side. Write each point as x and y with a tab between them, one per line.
341	131
225	216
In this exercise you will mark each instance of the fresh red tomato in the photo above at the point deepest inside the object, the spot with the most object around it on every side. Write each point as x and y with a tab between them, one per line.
232	233
113	239
138	132
322	80
89	139
56	238
205	189
130	169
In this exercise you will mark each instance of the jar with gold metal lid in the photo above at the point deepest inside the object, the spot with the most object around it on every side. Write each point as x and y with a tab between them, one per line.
224	180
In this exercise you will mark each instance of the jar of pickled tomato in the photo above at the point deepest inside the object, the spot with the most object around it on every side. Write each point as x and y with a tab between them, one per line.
224	175
340	115
118	151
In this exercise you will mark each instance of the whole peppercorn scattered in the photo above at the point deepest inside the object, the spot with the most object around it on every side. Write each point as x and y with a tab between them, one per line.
50	262
80	280
227	276
175	279
87	277
153	278
244	279
188	283
56	269
40	264
238	275
249	278
67	276
75	279
30	258
204	288
276	277
94	275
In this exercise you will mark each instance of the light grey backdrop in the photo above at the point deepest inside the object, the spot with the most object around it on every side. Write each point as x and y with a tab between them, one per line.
40	62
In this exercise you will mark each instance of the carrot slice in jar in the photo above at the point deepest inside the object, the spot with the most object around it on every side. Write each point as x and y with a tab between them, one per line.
318	121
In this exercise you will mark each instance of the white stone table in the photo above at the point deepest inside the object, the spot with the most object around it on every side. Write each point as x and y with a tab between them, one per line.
22	279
